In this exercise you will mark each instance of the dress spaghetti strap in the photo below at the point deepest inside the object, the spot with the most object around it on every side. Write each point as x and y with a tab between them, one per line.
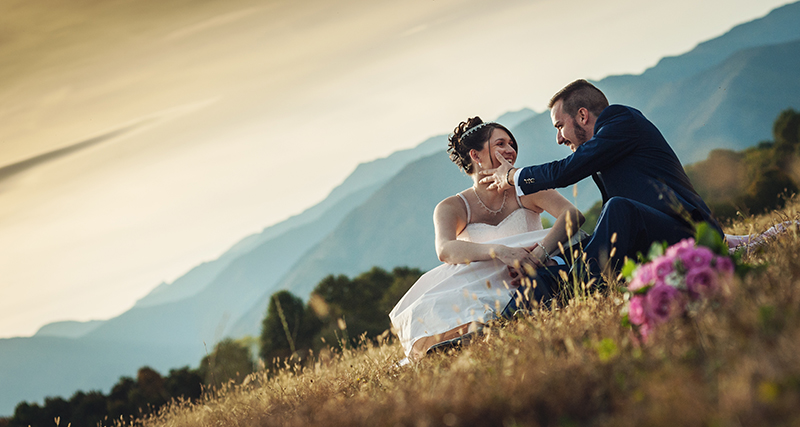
519	202
469	214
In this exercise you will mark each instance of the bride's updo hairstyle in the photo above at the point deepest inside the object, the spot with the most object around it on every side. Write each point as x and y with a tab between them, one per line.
472	134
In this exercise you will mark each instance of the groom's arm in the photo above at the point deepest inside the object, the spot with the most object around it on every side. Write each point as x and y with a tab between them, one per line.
614	140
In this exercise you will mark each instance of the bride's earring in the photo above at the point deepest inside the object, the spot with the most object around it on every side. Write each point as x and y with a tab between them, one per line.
480	165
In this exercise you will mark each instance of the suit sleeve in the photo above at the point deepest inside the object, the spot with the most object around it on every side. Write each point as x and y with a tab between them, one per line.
614	139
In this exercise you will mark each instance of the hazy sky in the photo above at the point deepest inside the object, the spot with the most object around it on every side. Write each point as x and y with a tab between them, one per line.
199	123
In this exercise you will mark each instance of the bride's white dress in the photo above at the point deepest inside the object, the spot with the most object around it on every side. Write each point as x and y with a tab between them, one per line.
748	242
445	301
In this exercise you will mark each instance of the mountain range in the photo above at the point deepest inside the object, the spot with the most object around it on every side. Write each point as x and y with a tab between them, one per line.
726	92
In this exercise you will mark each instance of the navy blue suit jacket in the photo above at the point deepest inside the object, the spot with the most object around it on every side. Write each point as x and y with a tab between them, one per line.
634	161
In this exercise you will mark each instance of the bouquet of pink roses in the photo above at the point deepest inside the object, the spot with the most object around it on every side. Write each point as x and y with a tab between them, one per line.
675	278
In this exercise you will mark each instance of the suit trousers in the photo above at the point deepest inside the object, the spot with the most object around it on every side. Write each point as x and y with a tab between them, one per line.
636	226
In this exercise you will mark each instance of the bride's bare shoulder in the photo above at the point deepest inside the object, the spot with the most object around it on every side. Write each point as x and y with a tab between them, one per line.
451	206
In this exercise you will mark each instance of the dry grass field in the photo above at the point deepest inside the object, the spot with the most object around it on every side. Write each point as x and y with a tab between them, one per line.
733	364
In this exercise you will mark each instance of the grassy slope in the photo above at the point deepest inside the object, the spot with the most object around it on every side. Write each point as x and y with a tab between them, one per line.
735	364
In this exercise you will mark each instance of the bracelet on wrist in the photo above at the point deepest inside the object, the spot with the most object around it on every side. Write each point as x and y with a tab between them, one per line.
545	255
508	177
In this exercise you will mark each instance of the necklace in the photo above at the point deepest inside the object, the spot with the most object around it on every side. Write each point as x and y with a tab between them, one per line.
491	211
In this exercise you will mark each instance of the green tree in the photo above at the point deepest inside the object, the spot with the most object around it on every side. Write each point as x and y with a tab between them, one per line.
149	392
786	131
363	310
230	361
764	191
88	409
119	402
355	304
26	414
334	291
287	328
128	398
591	216
752	180
184	383
152	385
404	278
362	304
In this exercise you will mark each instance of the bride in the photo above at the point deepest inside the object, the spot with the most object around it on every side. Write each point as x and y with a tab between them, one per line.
484	238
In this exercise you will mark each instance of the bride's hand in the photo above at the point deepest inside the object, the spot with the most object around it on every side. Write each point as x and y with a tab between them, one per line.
518	258
499	177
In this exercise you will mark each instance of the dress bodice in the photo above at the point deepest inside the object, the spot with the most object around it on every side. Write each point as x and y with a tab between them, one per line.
519	221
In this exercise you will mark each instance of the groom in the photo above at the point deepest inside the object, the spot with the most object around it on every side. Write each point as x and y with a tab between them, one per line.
647	196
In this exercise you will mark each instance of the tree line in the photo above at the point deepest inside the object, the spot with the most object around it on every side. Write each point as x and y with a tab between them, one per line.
340	312
753	180
129	398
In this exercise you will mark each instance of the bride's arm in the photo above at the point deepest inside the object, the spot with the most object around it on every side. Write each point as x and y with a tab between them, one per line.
568	218
449	218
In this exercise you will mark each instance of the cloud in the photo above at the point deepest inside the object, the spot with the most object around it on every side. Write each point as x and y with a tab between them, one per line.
214	22
414	30
7	172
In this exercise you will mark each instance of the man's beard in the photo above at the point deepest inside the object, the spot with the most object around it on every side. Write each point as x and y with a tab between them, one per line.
580	133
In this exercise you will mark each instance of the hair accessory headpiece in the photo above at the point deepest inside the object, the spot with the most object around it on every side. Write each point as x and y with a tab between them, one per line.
473	129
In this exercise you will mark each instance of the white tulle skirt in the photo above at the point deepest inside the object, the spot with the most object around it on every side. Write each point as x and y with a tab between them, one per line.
455	296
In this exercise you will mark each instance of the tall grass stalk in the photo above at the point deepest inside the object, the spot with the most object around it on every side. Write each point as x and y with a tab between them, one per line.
289	335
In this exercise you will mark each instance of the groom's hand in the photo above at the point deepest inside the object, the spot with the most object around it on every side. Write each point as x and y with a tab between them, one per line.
498	178
521	262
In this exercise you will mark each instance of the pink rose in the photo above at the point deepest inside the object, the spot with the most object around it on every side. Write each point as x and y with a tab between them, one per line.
701	256
659	303
677	249
662	266
724	265
636	310
635	284
643	276
701	281
645	330
646	274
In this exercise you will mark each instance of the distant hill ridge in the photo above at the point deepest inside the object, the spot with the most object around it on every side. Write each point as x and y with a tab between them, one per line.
778	26
381	215
719	93
68	329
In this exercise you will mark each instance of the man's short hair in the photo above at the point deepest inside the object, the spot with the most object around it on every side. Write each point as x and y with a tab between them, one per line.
580	94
